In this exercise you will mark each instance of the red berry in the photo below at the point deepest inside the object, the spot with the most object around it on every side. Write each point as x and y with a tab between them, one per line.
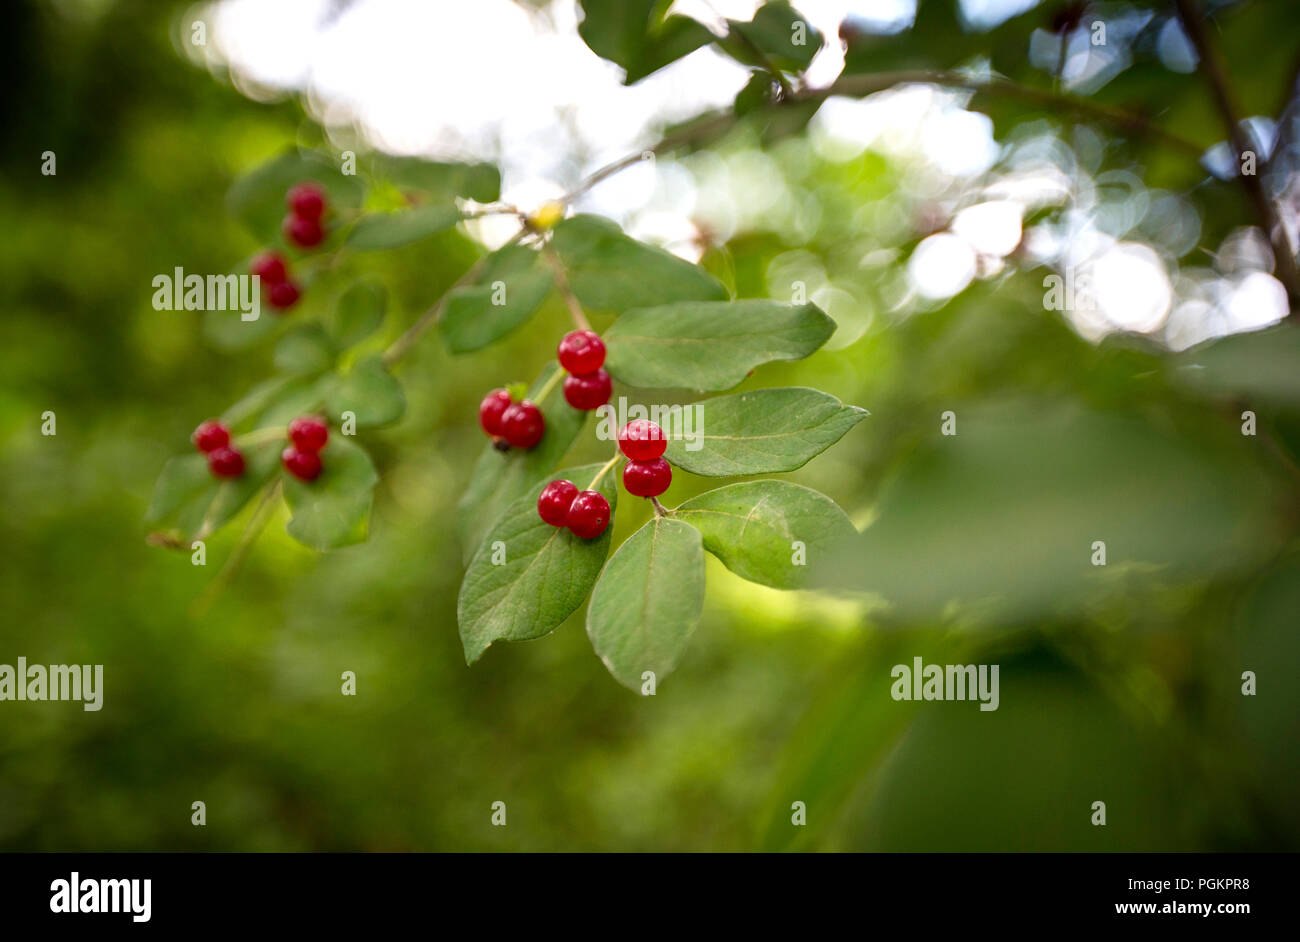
554	502
491	409
522	425
302	231
306	200
225	462
308	433
581	351
588	515
269	266
304	465
647	478
210	436
642	440
588	391
284	295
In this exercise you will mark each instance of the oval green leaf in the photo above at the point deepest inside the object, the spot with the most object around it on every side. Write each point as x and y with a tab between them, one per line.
762	432
369	392
529	576
334	509
610	271
711	344
513	285
648	601
769	532
391	230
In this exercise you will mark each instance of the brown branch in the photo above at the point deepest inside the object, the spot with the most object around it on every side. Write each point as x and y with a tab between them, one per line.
1215	71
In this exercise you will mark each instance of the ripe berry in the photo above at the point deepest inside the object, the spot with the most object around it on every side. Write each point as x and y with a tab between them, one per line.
491	409
283	295
269	266
555	500
225	462
306	200
210	436
588	391
308	433
647	478
304	465
522	425
642	440
581	351
302	231
588	515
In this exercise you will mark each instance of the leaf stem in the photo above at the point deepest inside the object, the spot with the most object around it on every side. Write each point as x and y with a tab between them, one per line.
261	515
602	472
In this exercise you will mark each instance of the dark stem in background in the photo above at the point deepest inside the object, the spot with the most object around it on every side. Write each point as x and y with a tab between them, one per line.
1212	66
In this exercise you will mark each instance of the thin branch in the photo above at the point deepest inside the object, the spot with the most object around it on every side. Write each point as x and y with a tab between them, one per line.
660	510
1215	71
562	286
261	516
403	344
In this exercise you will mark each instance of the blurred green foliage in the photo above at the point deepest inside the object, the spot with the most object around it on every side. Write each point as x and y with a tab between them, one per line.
1120	685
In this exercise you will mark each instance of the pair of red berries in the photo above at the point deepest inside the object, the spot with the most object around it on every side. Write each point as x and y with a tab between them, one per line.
510	423
302	458
213	439
646	473
582	354
585	513
306	203
281	290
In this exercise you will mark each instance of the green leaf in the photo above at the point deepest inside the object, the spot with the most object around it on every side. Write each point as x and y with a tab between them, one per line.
370	392
390	230
783	36
636	35
499	478
761	432
529	576
190	500
710	344
609	271
478	182
1261	364
513	285
334	509
648	601
305	351
358	313
257	198
753	526
301	396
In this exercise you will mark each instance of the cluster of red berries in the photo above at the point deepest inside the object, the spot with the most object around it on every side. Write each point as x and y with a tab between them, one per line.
302	227
582	354
646	474
308	435
510	423
281	290
585	513
213	439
